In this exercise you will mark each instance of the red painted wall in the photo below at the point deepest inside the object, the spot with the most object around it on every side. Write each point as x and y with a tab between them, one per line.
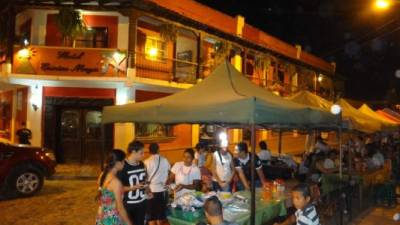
173	149
111	22
142	96
79	92
54	38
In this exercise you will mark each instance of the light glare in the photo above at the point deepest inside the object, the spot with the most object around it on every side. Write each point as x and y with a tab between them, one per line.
382	4
336	109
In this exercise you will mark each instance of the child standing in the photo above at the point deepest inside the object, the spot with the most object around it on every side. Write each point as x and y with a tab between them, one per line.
306	213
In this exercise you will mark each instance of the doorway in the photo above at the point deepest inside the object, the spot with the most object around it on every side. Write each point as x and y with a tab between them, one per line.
80	134
73	129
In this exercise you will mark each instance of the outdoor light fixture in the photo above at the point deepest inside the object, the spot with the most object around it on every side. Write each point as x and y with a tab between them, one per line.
382	4
24	53
153	52
336	109
223	137
320	78
397	73
26	42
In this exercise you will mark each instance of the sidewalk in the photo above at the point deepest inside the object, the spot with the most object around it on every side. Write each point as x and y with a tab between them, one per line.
77	171
378	216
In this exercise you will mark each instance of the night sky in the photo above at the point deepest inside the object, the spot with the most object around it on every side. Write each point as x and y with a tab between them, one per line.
364	42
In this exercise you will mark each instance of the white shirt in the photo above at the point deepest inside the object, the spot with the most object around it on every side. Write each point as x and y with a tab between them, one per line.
201	159
321	147
378	159
185	174
160	178
223	168
329	164
264	154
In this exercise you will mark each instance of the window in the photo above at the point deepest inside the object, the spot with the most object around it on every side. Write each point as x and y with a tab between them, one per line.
155	49
5	119
93	37
151	131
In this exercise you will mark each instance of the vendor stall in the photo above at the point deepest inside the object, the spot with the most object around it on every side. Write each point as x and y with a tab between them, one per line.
236	209
367	110
225	97
364	180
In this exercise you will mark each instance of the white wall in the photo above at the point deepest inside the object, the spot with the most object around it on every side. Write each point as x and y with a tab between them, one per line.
39	22
123	133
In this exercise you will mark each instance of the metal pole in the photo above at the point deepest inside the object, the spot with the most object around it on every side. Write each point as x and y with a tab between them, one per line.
103	146
340	153
253	176
280	142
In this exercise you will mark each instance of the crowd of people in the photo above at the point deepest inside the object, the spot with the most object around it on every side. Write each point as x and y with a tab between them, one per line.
134	191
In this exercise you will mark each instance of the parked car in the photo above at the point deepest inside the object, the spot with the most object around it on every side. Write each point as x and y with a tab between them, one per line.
23	169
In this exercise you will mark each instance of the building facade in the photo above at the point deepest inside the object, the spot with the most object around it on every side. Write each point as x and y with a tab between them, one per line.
57	82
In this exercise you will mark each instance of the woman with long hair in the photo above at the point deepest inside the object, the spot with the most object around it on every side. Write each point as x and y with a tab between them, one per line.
111	210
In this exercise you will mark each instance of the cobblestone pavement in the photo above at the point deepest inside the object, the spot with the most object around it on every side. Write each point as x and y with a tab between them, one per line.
61	202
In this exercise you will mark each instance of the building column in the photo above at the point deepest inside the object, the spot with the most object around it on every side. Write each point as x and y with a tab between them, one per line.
34	114
133	15
237	63
195	134
124	133
39	23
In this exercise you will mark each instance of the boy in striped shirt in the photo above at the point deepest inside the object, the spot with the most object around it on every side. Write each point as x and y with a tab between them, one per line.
306	213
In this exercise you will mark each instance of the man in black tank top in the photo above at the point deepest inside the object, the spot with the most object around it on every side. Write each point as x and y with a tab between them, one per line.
133	177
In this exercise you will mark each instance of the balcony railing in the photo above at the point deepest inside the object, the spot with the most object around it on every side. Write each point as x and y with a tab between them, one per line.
166	69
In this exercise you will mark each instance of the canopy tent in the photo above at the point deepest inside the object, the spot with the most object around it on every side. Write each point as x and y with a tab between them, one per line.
224	97
360	121
308	98
392	113
313	100
389	124
388	116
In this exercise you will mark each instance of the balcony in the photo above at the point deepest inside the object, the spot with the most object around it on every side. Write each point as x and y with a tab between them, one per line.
67	61
172	70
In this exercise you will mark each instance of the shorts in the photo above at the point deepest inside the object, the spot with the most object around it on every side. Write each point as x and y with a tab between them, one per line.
157	206
136	212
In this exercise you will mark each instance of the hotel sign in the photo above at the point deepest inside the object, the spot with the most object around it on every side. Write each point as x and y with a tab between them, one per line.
70	61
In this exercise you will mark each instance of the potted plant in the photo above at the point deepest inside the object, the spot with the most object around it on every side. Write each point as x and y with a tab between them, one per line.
70	24
168	32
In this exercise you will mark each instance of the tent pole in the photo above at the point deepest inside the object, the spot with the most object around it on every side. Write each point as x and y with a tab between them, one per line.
103	146
253	171
280	142
340	153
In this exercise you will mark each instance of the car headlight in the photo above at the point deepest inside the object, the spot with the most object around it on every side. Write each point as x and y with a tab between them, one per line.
49	154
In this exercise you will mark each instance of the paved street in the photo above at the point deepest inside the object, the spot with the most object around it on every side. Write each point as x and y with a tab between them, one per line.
378	216
64	202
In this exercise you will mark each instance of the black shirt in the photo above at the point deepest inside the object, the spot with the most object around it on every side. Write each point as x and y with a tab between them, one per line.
24	134
245	165
132	175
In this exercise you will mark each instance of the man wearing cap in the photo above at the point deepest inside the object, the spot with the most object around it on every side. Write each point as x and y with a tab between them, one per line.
243	168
